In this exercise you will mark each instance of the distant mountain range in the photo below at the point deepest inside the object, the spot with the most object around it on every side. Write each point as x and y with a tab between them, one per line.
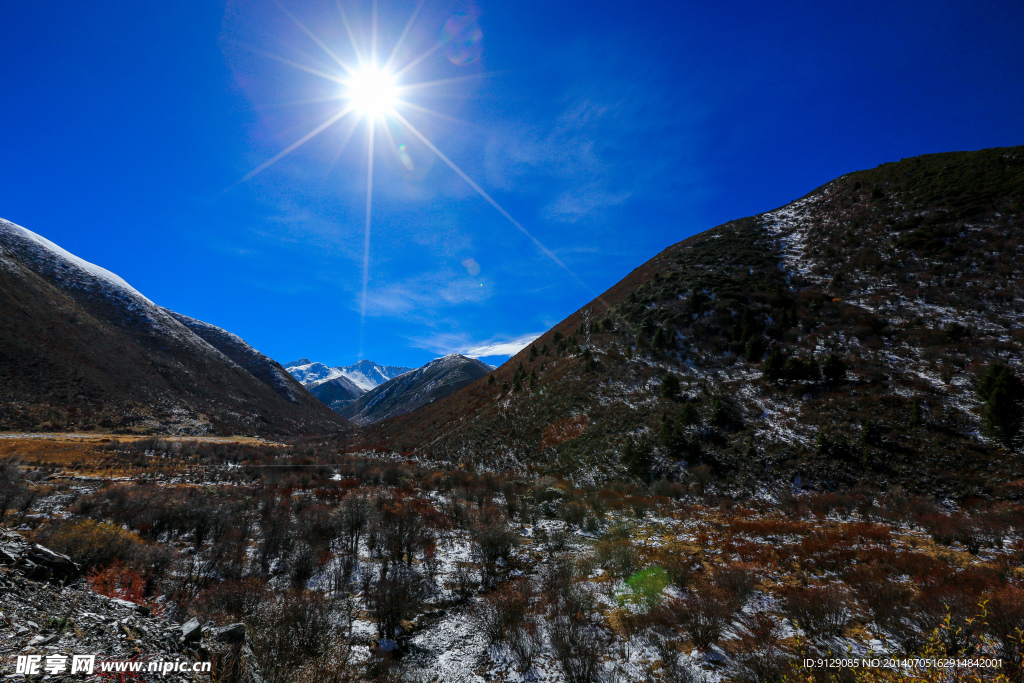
80	349
369	392
855	335
413	390
365	374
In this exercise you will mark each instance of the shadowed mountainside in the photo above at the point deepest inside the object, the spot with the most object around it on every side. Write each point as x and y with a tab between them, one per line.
413	390
80	349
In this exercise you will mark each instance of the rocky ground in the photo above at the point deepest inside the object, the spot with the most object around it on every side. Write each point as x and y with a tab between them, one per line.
47	610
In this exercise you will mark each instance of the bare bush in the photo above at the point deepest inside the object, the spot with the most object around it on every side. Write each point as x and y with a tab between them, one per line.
1004	620
394	597
702	616
492	537
759	658
288	630
12	485
503	611
818	610
577	647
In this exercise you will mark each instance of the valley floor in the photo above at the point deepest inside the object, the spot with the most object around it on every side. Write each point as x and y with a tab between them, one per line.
355	568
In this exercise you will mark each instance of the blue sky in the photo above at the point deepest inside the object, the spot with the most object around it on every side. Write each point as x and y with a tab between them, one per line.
608	131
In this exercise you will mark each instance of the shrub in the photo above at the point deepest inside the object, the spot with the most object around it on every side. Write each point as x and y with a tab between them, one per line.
737	581
577	648
12	485
618	555
644	588
887	601
680	567
91	544
818	610
503	611
229	601
287	631
492	537
758	657
1004	620
393	598
702	616
119	581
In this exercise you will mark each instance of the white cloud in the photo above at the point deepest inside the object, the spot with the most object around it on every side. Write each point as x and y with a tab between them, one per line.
501	348
426	294
496	346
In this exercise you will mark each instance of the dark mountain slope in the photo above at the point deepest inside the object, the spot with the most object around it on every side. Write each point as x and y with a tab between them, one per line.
259	366
838	339
80	349
338	392
413	390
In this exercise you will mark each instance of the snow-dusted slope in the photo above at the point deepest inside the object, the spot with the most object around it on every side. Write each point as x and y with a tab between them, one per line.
370	375
365	374
73	270
310	373
337	392
83	349
417	388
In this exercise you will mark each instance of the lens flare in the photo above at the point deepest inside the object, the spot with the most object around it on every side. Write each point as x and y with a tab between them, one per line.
462	39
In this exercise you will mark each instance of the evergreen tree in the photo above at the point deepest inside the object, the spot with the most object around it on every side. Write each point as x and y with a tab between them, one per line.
670	386
637	458
1003	415
833	370
774	366
660	340
723	412
754	349
689	416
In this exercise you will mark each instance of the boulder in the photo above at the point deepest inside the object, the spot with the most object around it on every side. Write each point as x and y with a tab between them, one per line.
232	633
191	631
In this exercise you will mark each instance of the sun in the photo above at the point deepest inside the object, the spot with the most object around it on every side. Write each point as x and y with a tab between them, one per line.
372	91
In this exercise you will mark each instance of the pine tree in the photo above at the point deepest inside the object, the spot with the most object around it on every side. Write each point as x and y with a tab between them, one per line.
670	386
1003	415
833	370
774	366
637	458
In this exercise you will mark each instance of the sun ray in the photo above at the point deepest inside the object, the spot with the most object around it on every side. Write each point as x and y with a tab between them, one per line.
391	140
431	112
295	145
415	62
345	141
402	37
297	103
351	36
373	37
315	39
444	81
297	65
366	235
462	174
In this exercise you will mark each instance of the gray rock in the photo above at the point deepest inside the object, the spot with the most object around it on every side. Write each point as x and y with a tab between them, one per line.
232	633
191	631
54	560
